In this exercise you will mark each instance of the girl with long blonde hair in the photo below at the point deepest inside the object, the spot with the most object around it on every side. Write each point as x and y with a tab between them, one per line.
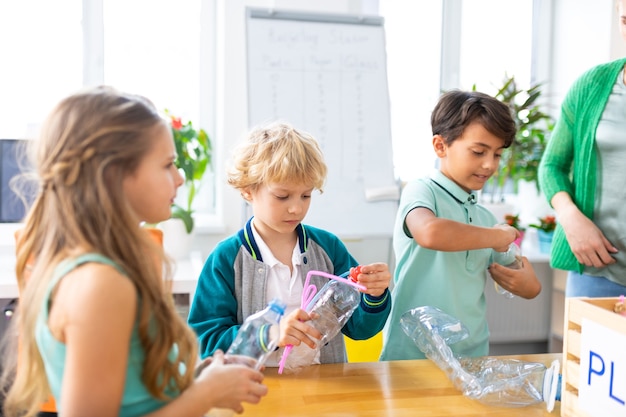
97	325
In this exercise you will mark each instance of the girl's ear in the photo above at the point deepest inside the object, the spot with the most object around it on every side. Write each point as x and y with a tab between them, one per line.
439	145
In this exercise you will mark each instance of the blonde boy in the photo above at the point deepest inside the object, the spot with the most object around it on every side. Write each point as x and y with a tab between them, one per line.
276	170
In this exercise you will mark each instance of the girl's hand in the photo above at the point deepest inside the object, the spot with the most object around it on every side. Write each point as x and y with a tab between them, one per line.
294	330
375	277
236	383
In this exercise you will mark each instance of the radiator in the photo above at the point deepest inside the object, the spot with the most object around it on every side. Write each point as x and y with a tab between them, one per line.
517	319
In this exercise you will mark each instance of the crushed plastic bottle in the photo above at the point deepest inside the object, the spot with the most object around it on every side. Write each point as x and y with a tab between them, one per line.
490	380
513	259
258	336
332	307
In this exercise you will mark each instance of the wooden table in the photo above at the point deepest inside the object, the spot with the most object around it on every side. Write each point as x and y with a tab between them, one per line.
410	388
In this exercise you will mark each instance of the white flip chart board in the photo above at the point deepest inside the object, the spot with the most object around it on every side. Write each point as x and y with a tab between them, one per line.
327	75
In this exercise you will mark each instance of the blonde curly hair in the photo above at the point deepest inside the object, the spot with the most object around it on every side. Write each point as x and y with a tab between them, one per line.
277	153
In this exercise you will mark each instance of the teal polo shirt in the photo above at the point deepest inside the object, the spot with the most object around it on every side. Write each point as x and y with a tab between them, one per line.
451	281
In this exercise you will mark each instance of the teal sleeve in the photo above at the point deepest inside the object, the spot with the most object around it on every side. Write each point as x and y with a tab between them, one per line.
213	312
369	318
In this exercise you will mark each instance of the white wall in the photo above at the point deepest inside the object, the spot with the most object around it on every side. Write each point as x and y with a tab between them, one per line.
232	117
618	45
584	33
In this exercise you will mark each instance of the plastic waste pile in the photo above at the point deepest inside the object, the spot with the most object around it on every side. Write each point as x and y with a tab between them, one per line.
491	380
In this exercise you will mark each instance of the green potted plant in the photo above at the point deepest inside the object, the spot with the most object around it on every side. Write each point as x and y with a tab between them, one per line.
193	147
521	160
546	224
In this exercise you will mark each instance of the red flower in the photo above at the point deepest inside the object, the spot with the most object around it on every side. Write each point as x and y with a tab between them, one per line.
546	223
176	123
513	221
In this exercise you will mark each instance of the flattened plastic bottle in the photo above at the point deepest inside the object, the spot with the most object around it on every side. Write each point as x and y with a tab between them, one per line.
500	382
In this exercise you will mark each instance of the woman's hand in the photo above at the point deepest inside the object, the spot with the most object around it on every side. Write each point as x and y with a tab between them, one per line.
585	239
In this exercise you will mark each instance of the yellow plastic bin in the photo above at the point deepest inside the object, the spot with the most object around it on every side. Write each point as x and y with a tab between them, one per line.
364	350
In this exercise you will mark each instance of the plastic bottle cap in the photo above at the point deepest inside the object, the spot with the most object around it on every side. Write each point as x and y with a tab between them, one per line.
355	273
552	385
277	306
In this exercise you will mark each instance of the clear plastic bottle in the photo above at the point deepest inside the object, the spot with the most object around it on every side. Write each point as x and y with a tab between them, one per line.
334	305
258	335
514	261
500	382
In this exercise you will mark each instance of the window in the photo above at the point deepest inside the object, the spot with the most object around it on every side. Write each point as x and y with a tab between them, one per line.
41	50
413	37
151	47
439	45
496	38
155	48
162	49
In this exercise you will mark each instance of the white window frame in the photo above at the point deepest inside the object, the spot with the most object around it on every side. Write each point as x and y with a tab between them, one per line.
93	74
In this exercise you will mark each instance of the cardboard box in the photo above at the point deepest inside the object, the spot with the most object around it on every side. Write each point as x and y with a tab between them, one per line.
594	359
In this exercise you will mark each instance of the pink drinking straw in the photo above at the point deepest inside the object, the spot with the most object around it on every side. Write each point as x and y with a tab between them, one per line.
308	292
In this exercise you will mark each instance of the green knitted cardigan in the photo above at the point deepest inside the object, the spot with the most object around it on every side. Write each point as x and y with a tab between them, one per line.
569	162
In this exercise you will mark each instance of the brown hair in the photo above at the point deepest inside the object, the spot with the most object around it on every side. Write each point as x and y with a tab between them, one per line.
458	109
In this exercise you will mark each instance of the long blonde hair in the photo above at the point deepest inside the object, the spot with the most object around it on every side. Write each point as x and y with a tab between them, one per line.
90	142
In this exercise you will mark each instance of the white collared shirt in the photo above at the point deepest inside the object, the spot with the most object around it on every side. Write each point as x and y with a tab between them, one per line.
283	284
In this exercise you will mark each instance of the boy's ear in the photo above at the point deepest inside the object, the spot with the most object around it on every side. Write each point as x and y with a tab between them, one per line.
246	194
439	145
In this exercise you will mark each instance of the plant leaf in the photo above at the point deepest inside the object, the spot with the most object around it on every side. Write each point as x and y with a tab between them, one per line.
185	215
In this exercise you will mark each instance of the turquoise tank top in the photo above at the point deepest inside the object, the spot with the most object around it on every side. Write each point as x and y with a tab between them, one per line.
136	400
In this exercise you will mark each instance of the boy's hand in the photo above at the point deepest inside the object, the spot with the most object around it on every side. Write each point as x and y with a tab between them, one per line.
294	330
508	236
522	282
375	277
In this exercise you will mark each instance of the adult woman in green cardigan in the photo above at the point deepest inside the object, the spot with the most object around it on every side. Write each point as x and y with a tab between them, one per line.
588	194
